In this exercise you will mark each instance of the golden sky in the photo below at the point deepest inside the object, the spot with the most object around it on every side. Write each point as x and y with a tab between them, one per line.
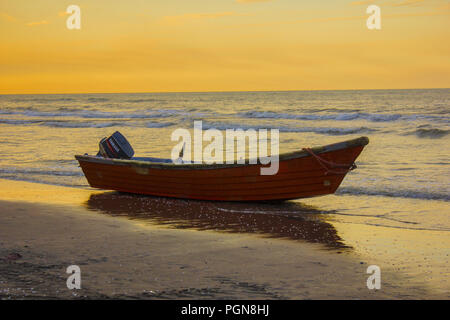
222	45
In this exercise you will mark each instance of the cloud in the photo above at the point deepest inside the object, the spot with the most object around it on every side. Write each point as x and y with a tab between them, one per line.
179	19
32	24
7	17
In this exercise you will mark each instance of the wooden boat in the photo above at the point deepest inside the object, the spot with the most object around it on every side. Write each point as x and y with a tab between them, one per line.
304	173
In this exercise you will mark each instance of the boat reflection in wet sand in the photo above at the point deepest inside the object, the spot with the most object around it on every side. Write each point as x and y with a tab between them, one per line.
287	220
304	173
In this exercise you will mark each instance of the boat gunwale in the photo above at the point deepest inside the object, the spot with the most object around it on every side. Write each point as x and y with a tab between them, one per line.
361	141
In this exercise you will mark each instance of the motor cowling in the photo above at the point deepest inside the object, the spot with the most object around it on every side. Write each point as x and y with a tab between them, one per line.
116	146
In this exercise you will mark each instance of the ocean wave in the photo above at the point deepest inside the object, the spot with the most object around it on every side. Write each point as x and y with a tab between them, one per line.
412	194
80	113
77	114
319	130
337	110
36	99
86	124
62	123
19	122
85	113
432	133
372	117
69	124
42	172
9	111
159	124
94	99
144	100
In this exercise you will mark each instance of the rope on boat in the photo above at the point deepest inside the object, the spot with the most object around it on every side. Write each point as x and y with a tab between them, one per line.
330	166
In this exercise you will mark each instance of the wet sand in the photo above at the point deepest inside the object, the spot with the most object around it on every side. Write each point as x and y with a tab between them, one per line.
155	248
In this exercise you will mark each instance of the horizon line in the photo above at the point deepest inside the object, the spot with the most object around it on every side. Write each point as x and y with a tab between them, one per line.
225	91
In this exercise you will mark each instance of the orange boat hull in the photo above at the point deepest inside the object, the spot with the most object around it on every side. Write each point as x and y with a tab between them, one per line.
300	175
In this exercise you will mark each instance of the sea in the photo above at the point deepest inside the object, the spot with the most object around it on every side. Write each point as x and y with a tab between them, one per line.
407	157
397	200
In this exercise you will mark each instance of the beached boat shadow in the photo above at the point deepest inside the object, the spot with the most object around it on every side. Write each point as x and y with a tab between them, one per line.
287	220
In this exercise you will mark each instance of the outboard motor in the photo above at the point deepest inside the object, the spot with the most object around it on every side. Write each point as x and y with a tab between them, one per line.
116	146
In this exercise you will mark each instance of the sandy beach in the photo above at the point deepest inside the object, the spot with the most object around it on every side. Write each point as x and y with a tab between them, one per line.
127	248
